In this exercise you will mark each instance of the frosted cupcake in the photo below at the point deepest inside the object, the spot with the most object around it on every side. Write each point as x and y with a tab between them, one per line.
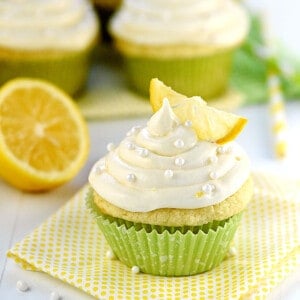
187	44
47	39
169	203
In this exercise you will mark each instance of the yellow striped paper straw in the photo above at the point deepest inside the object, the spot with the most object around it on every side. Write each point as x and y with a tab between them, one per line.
278	114
276	99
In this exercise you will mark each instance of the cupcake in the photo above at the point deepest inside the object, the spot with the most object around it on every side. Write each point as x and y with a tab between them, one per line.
51	40
187	44
167	202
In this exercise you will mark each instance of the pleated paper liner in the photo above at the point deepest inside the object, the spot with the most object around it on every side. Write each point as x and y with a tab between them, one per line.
66	69
167	251
206	76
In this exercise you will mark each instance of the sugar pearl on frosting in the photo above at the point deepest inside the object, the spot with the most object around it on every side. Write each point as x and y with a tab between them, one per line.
188	123
136	129
179	161
131	177
213	159
135	269
110	254
168	174
213	175
99	169
143	152
208	188
179	143
130	146
22	286
110	147
221	150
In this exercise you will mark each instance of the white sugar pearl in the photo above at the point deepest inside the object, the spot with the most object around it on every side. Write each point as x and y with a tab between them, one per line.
54	296
131	177
22	286
110	254
179	143
110	147
188	123
179	161
130	146
135	129
207	188
213	175
168	174
228	149
232	251
221	150
143	152
135	269
213	159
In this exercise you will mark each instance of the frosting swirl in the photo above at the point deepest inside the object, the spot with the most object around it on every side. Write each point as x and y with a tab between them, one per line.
195	22
47	25
153	169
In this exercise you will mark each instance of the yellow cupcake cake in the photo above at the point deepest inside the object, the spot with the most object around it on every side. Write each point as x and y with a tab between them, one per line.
187	44
47	39
167	201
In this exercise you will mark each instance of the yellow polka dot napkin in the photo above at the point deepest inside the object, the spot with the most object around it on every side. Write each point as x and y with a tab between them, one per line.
69	246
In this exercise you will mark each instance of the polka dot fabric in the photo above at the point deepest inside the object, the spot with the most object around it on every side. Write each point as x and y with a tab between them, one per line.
69	246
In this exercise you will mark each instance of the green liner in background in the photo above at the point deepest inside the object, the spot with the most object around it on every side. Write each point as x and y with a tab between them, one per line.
68	70
204	75
167	251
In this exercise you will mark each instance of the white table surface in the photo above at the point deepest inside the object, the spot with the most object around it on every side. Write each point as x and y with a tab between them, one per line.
21	212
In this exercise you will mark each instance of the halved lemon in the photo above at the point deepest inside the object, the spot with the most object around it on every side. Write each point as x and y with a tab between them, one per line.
44	139
209	123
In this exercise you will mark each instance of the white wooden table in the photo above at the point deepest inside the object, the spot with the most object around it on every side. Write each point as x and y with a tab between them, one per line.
21	212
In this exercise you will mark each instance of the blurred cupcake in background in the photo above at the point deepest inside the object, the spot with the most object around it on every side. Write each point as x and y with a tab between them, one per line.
51	39
187	44
105	9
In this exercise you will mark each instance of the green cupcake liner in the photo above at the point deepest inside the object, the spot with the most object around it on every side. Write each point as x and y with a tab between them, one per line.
167	251
205	76
68	70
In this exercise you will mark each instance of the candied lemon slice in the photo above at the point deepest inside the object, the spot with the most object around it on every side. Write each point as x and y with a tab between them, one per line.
209	123
44	139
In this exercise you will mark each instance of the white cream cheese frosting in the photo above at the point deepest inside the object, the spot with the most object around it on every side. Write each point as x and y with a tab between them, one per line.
47	24
192	22
164	165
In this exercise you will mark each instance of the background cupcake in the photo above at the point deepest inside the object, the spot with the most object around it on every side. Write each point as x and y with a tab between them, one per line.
167	202
51	39
187	44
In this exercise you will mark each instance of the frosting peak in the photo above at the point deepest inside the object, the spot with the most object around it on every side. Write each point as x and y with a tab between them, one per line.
163	121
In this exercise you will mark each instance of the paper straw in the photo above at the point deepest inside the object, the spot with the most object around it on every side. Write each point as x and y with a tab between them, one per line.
276	99
278	115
